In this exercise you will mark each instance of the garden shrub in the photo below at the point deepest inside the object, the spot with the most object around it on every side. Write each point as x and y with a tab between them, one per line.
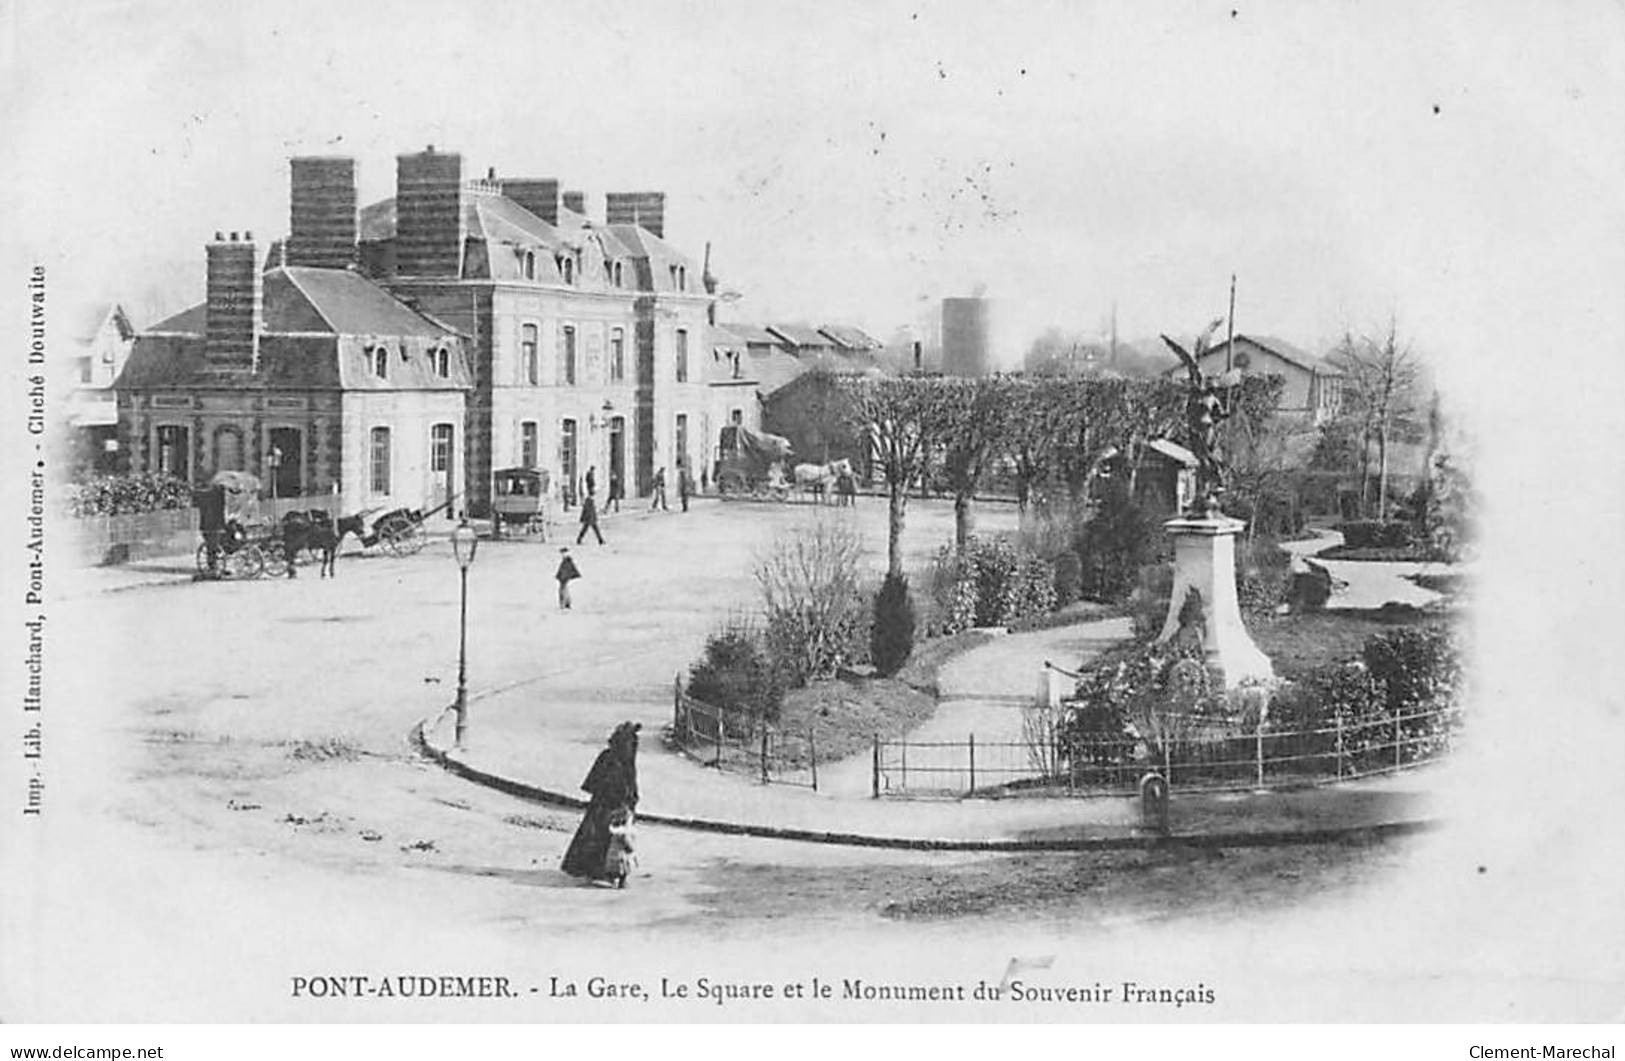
1148	602
1419	668
1375	534
736	673
1068	578
1263	576
1113	546
891	637
815	618
992	583
119	495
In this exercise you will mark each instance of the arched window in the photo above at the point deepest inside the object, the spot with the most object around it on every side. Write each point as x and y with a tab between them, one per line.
530	265
380	362
618	280
442	361
567	269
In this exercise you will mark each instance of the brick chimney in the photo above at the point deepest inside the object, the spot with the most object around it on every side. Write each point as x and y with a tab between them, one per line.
322	214
644	209
429	214
576	201
231	329
537	194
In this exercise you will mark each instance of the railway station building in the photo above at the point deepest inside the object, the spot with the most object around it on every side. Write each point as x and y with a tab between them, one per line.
566	342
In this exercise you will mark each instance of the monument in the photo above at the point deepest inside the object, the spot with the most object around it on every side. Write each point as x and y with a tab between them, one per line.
1204	593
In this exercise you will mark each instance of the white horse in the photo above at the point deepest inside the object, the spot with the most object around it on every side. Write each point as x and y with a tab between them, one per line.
819	479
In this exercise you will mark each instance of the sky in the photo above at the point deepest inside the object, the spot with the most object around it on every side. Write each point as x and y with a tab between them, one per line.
1347	162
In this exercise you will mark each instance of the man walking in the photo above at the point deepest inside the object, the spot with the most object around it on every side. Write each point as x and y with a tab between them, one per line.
617	490
589	520
658	500
592	480
567	573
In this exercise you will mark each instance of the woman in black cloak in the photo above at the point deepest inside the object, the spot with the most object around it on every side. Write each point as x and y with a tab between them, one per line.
613	784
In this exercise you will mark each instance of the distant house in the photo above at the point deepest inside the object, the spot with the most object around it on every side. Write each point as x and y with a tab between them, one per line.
1314	386
101	337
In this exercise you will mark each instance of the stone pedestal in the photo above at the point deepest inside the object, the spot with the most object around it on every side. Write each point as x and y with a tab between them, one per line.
1205	560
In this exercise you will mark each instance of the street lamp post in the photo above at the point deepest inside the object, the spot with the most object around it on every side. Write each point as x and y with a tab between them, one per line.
463	544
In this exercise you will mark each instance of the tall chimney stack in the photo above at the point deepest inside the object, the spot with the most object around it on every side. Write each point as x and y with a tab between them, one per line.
322	212
231	329
538	195
645	209
576	201
429	214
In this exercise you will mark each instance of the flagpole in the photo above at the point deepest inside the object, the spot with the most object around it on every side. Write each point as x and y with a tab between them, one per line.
1230	328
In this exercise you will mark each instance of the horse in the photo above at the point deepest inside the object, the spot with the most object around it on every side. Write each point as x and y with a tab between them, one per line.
819	479
317	531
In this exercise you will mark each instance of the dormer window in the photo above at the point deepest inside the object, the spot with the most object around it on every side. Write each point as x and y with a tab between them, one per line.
380	362
567	269
530	265
682	278
618	281
442	363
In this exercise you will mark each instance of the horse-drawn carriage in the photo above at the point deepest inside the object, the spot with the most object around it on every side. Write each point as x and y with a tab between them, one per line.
752	464
239	543
519	499
229	522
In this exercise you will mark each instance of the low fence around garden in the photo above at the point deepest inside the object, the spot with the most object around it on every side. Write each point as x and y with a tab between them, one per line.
735	740
1187	752
123	539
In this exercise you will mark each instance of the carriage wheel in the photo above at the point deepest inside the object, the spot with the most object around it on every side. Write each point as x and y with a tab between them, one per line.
400	536
246	562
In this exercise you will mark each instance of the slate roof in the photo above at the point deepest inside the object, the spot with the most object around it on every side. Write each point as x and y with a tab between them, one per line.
848	337
320	329
801	335
331	301
754	335
495	227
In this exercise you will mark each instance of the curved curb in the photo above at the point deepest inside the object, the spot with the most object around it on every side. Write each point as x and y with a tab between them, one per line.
1274	838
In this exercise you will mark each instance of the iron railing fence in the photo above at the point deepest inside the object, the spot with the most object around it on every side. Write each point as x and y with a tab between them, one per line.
736	740
1191	754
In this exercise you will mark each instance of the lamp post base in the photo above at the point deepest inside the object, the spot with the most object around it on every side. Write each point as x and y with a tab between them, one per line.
1205	564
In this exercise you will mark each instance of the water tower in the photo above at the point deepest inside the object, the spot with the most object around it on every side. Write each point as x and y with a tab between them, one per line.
967	336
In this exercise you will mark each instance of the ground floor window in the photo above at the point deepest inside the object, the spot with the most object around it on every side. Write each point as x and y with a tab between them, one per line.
175	451
529	444
380	460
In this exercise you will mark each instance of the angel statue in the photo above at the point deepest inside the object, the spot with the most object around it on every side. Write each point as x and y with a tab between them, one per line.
1205	409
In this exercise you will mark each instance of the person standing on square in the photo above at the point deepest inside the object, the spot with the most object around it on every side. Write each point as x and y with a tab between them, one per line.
658	500
567	573
685	484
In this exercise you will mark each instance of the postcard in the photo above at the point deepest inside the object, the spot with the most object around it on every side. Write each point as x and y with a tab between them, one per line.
845	513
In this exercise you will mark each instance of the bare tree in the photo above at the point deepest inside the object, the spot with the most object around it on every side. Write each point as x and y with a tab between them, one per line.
1382	373
902	417
973	430
810	597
